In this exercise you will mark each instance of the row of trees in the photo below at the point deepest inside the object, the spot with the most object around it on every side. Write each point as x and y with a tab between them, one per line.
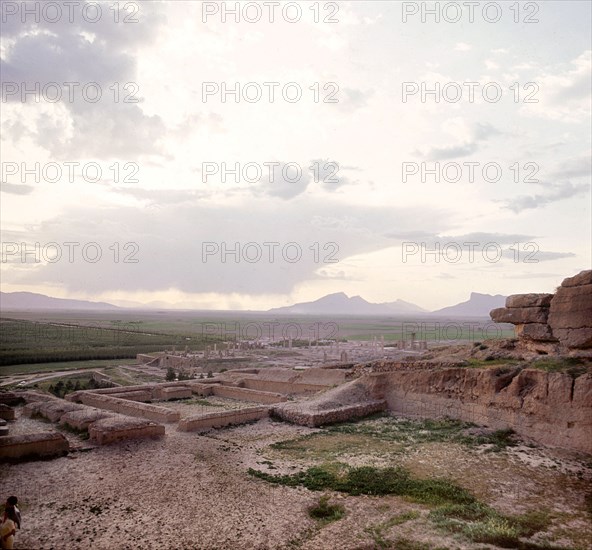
62	388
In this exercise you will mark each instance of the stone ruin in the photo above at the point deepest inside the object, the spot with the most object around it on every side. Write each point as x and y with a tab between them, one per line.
553	323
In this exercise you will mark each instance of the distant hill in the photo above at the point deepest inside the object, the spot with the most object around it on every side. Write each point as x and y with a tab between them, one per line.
30	300
340	304
478	305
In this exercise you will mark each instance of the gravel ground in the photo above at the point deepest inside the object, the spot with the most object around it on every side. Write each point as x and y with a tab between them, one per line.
192	491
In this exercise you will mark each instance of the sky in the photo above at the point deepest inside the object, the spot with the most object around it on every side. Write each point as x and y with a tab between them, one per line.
164	152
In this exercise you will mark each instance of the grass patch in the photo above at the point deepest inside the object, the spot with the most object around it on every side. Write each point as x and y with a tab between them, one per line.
500	440
203	402
377	532
482	524
574	366
490	362
324	512
455	509
377	435
369	480
408	544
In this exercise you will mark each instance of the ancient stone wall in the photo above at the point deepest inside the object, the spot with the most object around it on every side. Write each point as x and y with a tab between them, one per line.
167	393
117	428
144	358
6	412
245	394
130	408
82	419
40	445
221	419
202	389
142	396
282	387
308	417
52	409
103	427
141	393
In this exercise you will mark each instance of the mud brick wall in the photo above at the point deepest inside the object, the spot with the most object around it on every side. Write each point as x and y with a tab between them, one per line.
282	387
112	430
130	408
299	414
245	394
221	419
41	445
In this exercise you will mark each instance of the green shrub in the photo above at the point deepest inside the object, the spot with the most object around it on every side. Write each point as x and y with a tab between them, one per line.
368	480
481	523
325	512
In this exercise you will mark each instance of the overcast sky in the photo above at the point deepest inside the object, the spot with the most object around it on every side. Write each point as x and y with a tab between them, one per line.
360	217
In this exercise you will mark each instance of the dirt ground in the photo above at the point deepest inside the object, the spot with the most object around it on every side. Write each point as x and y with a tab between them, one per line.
191	491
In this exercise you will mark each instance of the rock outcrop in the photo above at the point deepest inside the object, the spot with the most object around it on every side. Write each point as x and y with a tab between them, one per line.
550	323
570	314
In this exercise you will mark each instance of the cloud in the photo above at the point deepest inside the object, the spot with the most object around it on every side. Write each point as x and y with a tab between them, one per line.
169	242
285	181
15	189
476	237
560	192
451	151
470	136
573	168
563	93
532	255
160	197
446	276
93	57
350	99
462	47
530	275
331	174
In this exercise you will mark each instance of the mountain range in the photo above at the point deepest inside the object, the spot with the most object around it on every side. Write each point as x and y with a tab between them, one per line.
478	305
30	300
340	304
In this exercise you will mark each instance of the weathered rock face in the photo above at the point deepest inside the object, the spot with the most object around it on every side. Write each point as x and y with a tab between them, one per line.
549	322
570	314
529	300
552	408
520	315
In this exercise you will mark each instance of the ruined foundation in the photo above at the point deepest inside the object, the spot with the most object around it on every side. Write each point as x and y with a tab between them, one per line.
32	446
222	419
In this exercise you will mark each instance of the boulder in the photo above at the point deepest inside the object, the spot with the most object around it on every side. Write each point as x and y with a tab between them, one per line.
582	278
529	300
570	315
535	331
548	323
520	316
